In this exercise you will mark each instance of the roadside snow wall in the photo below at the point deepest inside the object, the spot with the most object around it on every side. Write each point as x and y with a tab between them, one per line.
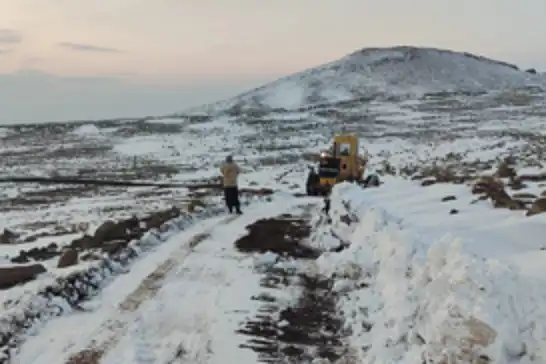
413	301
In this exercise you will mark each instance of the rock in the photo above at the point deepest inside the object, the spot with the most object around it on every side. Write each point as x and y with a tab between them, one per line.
533	177
505	171
516	184
524	196
157	219
21	258
257	191
38	254
68	258
114	247
133	222
485	184
30	239
12	276
453	211
153	222
428	182
449	198
43	253
346	219
109	230
90	256
8	237
539	206
122	230
84	243
52	247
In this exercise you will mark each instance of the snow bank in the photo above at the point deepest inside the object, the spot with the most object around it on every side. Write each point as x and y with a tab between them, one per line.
408	299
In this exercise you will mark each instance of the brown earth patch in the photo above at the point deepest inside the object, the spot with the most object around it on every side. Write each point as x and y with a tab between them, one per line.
310	329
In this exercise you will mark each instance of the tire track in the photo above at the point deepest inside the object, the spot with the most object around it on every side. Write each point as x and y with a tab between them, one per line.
116	328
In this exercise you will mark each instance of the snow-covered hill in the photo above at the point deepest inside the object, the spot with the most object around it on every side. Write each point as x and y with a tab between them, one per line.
383	73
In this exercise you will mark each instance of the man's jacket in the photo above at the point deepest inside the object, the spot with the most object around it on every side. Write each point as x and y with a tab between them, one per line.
230	172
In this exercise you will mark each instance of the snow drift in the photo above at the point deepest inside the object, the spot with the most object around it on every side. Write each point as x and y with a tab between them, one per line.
408	299
382	73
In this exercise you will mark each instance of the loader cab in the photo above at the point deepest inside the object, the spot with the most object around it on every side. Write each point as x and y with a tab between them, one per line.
340	162
345	148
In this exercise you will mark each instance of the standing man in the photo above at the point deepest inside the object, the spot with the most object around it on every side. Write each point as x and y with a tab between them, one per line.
230	171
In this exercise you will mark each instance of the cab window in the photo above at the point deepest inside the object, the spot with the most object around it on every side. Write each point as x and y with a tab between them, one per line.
344	149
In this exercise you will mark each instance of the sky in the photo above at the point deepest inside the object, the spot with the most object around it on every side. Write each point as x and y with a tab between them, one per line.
90	59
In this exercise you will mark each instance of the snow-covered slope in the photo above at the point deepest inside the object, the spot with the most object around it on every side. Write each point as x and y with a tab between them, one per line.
374	73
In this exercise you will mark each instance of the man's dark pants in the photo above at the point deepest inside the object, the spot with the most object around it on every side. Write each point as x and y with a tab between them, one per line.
231	195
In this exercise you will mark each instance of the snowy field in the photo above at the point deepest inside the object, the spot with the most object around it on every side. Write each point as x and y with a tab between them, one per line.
443	263
426	270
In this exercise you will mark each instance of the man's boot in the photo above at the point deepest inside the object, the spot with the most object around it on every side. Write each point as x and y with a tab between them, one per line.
238	210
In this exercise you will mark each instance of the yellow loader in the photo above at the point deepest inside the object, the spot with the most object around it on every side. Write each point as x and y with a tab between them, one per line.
340	163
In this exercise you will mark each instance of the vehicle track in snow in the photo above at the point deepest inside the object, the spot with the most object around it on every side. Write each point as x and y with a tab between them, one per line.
111	331
308	329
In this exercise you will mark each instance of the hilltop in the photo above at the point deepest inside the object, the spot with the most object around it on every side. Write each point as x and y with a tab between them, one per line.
384	73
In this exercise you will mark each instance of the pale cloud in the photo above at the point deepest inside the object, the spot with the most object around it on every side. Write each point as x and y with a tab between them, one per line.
10	36
80	47
9	39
